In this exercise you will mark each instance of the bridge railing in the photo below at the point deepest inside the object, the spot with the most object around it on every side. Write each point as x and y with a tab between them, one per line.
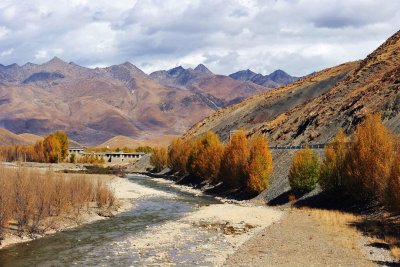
311	146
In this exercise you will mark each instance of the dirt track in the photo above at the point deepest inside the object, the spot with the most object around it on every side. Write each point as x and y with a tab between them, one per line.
295	240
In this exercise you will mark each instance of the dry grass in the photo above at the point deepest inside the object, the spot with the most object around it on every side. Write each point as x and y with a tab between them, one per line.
31	200
395	251
338	225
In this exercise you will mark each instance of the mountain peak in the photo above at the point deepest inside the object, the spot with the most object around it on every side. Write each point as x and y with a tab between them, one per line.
203	69
55	60
243	75
176	71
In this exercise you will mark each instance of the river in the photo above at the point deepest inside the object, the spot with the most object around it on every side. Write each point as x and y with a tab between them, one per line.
101	243
168	225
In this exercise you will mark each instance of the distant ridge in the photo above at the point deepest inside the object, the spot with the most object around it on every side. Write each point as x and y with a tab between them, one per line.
8	138
94	105
275	79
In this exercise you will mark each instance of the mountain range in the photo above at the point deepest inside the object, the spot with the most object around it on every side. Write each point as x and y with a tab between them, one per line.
273	80
94	105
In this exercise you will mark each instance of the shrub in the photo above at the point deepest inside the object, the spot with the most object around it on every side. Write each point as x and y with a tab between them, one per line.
304	172
392	198
205	157
91	159
259	165
29	196
332	169
6	206
178	154
234	161
144	149
72	158
159	159
17	153
370	159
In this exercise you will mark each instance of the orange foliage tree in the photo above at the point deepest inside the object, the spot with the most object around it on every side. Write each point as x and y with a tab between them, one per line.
159	159
54	148
259	165
178	154
234	161
392	198
332	169
370	159
205	157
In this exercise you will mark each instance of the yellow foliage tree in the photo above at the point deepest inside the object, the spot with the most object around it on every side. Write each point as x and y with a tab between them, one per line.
178	154
54	148
370	159
234	161
259	165
205	157
159	159
304	172
393	189
332	169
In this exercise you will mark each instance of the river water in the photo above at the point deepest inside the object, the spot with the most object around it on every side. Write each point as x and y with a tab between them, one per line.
109	242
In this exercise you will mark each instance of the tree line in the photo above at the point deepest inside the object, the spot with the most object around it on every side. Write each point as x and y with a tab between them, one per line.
243	164
364	166
52	149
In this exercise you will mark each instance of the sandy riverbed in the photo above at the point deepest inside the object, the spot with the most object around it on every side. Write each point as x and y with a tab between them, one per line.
205	236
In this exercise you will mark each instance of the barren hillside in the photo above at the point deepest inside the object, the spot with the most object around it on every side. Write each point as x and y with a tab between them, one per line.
8	138
124	141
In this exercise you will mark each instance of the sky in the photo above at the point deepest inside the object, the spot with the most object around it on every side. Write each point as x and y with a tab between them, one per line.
298	36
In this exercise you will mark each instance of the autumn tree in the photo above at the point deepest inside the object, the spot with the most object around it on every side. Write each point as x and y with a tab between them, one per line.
159	159
178	154
259	165
370	159
54	148
305	170
63	141
332	169
392	196
205	157
234	161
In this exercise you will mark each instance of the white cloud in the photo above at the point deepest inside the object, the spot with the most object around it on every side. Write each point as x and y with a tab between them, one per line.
299	36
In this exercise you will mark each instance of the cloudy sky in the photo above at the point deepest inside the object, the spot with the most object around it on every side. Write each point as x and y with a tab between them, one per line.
299	36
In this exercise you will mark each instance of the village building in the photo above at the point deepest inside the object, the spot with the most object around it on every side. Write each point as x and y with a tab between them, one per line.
109	157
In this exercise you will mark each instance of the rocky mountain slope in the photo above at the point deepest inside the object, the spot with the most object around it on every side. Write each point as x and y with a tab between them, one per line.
312	109
273	80
94	105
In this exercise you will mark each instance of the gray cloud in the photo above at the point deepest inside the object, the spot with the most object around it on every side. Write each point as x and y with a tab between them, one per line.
263	35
